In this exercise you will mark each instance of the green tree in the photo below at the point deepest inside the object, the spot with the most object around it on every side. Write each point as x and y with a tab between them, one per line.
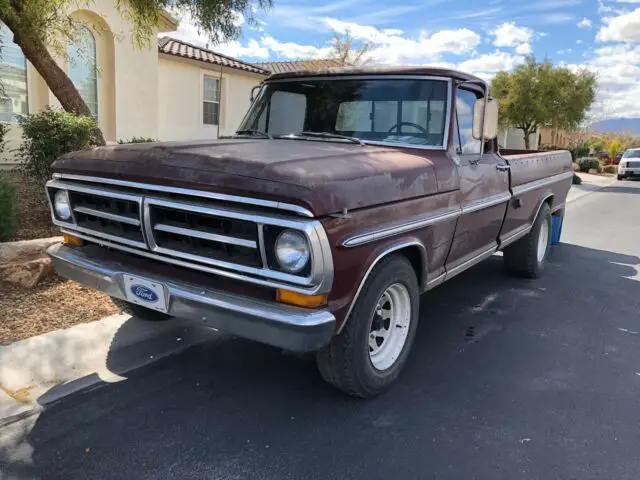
614	147
538	94
41	29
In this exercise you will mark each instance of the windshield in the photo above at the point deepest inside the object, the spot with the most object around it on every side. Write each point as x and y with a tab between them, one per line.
392	111
631	154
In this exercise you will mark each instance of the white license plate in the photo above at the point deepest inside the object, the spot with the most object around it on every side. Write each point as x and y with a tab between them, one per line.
146	293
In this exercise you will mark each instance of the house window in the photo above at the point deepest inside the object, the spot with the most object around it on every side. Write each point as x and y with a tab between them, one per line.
13	78
211	101
83	68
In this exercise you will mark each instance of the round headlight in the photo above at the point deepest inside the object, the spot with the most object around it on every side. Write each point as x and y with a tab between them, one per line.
61	205
292	251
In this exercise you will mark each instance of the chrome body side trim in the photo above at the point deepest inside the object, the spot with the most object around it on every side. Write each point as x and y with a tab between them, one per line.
108	216
379	234
384	253
527	187
189	192
486	202
188	232
434	282
515	235
470	263
285	326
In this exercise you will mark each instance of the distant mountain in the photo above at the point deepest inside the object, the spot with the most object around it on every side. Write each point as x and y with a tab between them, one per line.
618	125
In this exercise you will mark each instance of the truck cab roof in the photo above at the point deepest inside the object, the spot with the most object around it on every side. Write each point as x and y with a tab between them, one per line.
382	71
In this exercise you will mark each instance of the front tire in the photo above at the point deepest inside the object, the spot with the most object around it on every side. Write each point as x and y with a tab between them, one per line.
620	177
528	256
372	349
139	311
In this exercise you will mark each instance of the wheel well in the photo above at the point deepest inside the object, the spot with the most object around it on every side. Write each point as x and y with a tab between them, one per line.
413	253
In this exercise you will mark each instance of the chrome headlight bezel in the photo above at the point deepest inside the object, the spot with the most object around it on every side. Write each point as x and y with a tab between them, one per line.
62	206
292	251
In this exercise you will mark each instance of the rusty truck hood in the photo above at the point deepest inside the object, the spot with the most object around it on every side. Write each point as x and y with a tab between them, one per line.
323	176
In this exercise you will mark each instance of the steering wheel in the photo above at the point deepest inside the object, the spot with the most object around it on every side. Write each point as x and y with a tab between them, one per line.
411	124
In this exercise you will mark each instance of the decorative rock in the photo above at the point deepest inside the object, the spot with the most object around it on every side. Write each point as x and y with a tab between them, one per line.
26	274
593	171
13	252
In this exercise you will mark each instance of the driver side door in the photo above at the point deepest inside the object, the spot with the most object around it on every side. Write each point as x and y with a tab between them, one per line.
484	190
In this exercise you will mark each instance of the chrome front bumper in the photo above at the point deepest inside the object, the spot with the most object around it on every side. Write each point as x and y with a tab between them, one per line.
292	328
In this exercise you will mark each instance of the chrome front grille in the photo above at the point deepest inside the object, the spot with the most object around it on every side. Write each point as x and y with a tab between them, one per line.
175	229
210	232
119	218
633	164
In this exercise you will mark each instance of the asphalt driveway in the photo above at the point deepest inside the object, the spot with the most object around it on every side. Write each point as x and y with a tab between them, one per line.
508	379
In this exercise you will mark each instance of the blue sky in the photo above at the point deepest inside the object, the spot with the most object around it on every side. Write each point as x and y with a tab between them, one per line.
479	37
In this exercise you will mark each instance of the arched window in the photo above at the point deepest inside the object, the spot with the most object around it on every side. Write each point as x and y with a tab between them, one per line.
13	78
83	68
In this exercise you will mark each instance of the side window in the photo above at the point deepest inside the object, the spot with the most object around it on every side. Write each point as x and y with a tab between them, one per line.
465	102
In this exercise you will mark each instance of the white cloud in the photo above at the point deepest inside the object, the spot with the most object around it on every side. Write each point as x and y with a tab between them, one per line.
579	42
292	51
585	23
491	63
625	27
510	35
524	49
393	46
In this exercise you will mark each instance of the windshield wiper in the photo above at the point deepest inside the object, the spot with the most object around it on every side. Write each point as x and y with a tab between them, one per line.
255	133
327	135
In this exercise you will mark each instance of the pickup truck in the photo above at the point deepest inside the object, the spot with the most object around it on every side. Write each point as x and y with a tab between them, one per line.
344	196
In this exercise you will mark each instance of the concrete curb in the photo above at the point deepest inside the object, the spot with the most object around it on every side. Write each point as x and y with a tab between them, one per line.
41	370
591	183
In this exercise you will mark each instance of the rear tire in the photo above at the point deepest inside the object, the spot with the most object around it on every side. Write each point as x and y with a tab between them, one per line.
140	312
620	177
372	349
527	257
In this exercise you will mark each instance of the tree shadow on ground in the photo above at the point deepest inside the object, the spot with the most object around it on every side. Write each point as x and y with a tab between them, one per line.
496	360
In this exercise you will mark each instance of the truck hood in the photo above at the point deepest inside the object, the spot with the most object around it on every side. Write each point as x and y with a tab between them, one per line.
322	176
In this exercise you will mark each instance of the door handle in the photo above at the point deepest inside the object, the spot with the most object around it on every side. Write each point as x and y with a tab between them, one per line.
502	167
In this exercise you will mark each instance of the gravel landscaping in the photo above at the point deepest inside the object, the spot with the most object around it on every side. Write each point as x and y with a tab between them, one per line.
34	217
53	304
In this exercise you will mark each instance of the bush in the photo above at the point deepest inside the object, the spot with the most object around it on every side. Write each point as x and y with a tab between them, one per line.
124	141
576	180
579	152
610	169
587	163
50	134
8	210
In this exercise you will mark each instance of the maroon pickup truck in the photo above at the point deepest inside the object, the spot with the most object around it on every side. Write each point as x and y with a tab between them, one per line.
344	195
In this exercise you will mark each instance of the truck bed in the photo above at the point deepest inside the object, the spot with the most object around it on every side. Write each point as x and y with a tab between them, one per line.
528	166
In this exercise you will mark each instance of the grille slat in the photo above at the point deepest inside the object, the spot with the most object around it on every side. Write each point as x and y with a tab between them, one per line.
188	232
108	216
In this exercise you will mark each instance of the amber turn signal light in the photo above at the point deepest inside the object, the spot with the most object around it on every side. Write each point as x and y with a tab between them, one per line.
72	240
300	300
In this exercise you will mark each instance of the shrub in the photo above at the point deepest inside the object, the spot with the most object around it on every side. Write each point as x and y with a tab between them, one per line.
610	169
579	152
587	163
50	134
124	141
576	180
8	210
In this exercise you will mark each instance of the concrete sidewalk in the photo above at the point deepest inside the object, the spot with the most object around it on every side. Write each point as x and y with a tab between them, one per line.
590	183
40	370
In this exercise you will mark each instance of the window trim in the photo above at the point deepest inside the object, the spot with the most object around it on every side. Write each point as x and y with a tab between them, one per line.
447	120
479	95
96	85
13	120
218	79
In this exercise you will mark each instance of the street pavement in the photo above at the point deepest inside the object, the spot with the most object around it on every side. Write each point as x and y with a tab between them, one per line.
508	379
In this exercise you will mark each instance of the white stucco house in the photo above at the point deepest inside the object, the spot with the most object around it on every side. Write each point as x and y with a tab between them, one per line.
170	91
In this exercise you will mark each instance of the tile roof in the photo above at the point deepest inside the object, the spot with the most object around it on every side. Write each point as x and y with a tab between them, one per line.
179	48
298	65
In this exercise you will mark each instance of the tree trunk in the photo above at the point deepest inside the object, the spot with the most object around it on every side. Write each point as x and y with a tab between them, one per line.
526	139
56	79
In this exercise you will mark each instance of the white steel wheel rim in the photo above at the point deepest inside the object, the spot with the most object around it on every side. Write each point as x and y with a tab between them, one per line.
543	240
389	326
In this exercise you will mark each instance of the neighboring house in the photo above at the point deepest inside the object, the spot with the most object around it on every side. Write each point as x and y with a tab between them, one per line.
169	91
203	94
513	138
